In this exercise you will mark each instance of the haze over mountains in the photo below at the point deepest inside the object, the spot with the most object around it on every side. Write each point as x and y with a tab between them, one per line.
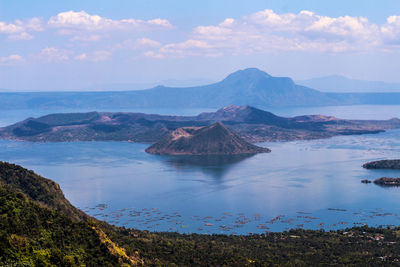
116	86
146	85
341	84
244	87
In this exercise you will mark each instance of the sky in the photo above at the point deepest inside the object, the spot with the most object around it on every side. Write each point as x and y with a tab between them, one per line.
74	45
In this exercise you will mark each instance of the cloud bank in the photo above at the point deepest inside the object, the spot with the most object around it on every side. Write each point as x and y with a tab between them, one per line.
93	38
268	32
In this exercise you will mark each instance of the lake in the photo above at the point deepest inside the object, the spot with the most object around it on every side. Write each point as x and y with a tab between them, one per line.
302	184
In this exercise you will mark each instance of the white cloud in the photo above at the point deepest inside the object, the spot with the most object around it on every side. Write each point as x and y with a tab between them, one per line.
268	32
82	56
88	27
9	28
391	30
34	24
84	21
189	47
153	54
11	59
138	44
19	30
101	55
227	22
148	42
160	22
259	33
96	56
54	55
213	32
59	55
86	38
21	36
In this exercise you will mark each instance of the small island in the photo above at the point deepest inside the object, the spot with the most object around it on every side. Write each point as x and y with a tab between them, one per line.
383	164
386	181
215	139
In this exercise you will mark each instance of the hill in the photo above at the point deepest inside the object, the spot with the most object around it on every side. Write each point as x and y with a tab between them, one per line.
252	124
215	139
341	84
39	189
39	227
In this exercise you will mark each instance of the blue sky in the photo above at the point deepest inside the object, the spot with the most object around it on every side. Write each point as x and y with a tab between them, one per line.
68	45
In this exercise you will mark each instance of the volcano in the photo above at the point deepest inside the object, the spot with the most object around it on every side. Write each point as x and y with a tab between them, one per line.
215	139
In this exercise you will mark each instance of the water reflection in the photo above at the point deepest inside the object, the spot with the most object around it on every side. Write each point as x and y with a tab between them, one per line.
213	165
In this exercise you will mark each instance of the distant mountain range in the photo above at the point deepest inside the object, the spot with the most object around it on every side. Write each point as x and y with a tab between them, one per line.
244	87
143	86
341	84
251	124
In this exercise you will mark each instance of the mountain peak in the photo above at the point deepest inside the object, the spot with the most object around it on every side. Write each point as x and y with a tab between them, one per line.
254	71
218	125
233	108
246	114
217	128
247	74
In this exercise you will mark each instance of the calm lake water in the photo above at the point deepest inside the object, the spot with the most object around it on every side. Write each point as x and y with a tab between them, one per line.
303	184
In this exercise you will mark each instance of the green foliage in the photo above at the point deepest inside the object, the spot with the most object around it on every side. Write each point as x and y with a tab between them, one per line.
355	246
37	235
37	188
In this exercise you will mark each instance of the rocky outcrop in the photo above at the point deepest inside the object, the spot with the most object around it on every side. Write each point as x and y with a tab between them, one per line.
383	164
388	181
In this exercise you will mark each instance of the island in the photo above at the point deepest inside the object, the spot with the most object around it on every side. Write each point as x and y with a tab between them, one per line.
215	139
388	181
383	164
252	124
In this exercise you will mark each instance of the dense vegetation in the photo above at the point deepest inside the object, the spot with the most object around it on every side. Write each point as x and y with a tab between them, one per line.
358	246
39	236
39	189
38	227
